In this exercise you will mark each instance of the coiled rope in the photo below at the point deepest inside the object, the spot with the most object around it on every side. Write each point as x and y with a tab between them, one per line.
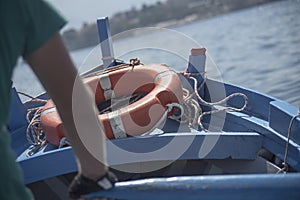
191	111
34	133
192	107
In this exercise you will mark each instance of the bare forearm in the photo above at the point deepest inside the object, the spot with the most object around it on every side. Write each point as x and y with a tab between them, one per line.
54	68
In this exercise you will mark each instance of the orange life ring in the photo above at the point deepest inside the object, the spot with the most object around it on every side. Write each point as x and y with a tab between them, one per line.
160	83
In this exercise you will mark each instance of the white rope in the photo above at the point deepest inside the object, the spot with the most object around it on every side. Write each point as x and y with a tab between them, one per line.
285	168
170	107
193	112
34	132
162	119
63	142
190	110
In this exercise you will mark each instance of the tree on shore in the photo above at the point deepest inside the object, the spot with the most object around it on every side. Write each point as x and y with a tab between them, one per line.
151	15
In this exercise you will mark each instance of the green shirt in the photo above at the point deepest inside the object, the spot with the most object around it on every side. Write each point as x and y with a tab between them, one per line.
25	25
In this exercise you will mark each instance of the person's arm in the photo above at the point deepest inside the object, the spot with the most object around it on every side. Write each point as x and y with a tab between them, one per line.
54	68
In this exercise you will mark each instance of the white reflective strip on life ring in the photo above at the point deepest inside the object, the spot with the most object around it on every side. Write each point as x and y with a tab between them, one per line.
45	112
105	84
162	74
116	124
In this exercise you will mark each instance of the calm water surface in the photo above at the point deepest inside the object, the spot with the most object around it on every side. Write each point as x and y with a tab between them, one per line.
257	48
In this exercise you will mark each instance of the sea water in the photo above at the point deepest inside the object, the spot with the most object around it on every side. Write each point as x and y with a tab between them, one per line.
256	48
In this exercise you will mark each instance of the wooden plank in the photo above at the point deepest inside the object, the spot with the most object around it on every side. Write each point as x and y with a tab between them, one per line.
258	104
272	140
174	146
280	116
233	187
17	118
105	41
19	141
45	165
165	147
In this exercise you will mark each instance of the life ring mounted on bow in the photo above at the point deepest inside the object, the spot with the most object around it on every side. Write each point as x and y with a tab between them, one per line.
160	83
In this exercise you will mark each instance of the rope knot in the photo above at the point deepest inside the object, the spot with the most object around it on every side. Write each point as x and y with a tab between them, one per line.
134	61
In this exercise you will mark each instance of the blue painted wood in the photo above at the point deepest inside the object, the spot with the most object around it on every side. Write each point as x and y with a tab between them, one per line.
293	158
197	65
230	125
272	140
280	116
105	42
173	146
54	162
47	164
19	141
17	117
258	103
235	145
233	187
261	110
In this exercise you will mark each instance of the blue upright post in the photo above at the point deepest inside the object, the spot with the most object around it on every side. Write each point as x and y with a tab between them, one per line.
105	42
197	65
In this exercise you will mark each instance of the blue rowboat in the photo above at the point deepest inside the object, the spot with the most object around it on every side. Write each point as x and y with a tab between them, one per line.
255	154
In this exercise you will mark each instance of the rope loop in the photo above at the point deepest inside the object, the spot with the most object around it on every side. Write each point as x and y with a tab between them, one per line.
190	109
34	132
193	113
284	169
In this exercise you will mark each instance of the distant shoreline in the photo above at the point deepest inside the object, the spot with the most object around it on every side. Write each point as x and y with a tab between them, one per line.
163	15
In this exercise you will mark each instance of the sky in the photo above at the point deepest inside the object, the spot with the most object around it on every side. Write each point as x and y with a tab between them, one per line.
79	11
